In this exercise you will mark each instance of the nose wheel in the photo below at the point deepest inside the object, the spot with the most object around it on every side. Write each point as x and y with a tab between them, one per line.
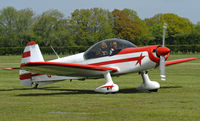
147	84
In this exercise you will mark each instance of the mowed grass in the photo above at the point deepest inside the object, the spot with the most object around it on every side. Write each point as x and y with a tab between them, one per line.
177	100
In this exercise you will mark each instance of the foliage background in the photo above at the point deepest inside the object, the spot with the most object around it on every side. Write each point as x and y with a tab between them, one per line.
84	27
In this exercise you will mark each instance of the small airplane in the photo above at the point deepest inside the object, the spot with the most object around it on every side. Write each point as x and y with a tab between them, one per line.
107	58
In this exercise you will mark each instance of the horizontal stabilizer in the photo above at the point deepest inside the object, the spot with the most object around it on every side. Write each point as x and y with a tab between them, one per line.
11	68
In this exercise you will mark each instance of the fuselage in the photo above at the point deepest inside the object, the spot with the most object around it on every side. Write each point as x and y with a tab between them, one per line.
128	60
105	58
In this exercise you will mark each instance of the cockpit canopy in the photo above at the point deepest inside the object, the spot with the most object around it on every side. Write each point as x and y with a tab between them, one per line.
108	47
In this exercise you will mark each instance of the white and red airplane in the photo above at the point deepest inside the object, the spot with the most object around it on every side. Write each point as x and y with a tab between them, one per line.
110	57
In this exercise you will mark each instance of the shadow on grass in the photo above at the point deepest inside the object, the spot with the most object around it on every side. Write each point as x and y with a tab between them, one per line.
168	87
15	89
77	91
64	92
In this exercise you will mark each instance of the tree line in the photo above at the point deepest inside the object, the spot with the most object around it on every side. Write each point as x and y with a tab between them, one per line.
85	27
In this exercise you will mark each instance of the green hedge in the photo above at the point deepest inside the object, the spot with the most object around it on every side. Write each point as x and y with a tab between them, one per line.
184	48
64	50
11	50
78	49
44	50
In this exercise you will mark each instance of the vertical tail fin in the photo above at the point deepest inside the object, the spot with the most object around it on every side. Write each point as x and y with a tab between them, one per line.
31	53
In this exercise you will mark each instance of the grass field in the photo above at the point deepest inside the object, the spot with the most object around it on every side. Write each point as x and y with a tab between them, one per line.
177	100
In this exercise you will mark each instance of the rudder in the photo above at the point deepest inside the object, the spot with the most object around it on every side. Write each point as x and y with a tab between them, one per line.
31	53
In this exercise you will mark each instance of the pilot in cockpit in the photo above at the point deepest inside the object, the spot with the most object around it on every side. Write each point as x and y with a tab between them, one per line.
114	50
103	51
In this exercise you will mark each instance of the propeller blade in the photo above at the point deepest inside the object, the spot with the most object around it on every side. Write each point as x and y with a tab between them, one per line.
164	31
162	52
162	68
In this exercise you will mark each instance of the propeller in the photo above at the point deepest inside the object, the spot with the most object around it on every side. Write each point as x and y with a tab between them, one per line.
162	51
162	68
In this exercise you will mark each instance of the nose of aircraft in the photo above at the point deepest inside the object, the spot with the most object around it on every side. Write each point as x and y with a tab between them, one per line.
162	51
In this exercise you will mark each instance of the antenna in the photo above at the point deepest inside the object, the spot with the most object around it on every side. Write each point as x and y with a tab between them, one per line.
55	52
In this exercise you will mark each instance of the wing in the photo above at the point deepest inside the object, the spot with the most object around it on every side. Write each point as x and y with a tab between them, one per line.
66	69
179	61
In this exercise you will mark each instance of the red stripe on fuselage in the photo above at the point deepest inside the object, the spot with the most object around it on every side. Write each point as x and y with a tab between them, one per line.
149	49
120	61
26	54
138	49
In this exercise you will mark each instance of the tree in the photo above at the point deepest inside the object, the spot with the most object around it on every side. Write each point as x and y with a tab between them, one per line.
176	26
91	25
51	29
157	33
192	38
24	22
63	34
8	26
15	26
127	25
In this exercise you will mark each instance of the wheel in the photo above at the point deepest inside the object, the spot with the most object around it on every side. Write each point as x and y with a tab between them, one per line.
36	85
154	90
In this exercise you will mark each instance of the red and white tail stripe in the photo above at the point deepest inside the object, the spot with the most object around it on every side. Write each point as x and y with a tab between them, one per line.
26	54
31	53
25	78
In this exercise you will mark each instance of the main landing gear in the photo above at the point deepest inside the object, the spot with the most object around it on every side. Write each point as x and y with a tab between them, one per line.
109	87
36	86
147	84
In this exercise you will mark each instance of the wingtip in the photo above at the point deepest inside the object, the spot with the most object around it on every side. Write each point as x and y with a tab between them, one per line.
189	59
179	61
194	58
